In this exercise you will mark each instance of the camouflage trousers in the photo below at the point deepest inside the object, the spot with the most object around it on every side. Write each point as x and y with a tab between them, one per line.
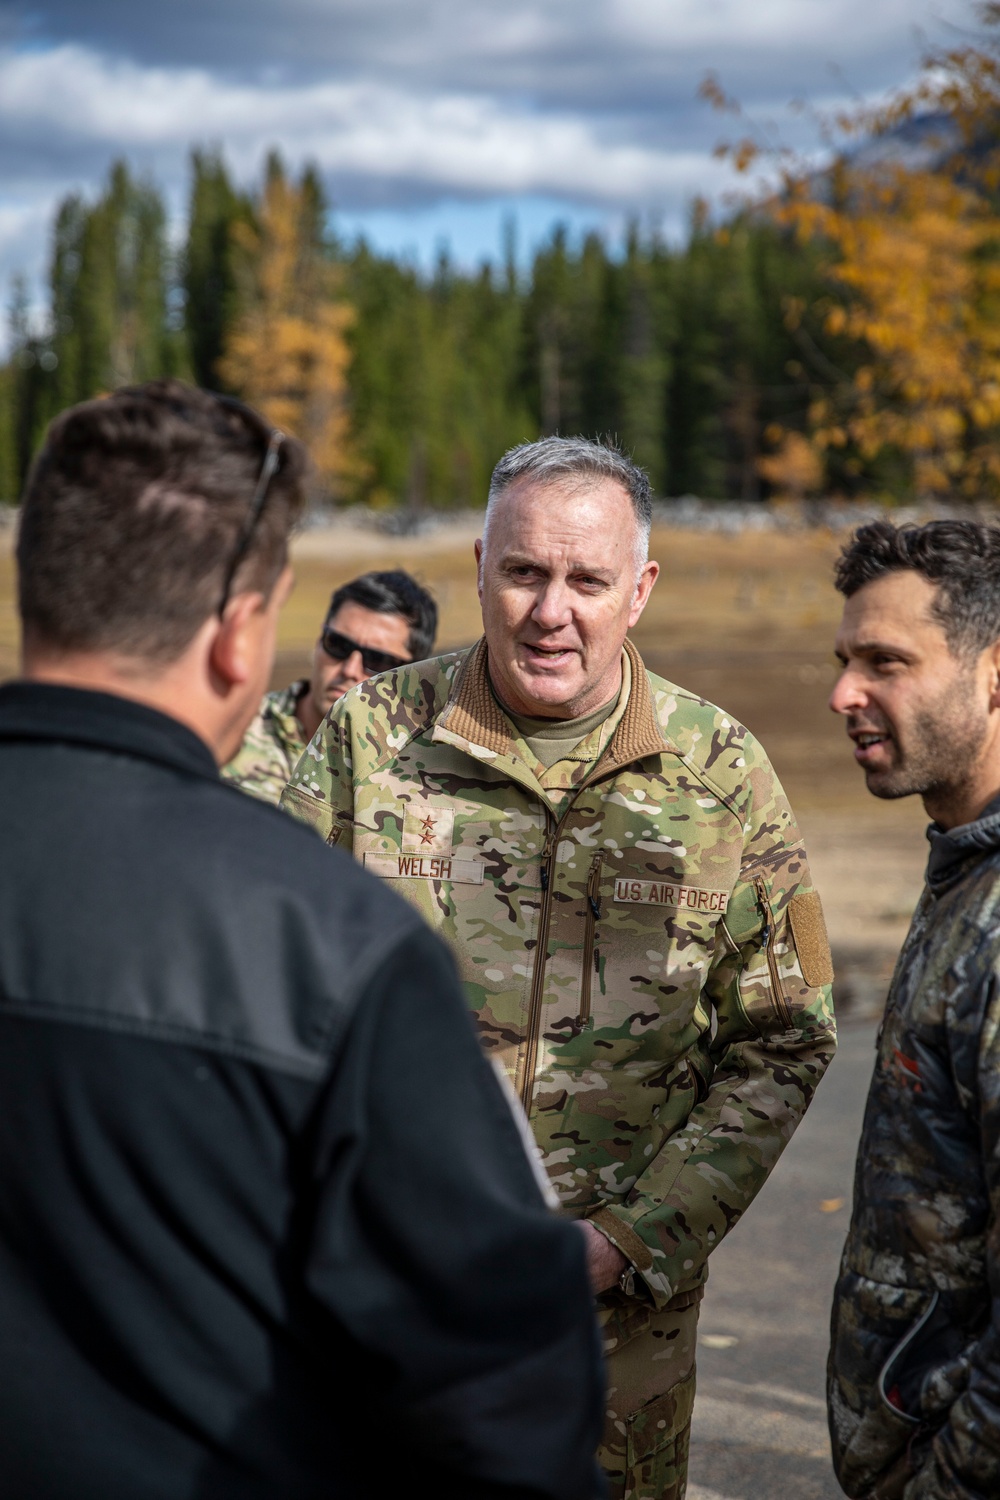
651	1375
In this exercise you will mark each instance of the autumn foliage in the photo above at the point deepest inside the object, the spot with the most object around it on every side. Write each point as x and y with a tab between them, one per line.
905	331
286	351
916	290
839	333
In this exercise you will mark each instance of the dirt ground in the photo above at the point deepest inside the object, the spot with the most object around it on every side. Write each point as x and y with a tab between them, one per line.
746	620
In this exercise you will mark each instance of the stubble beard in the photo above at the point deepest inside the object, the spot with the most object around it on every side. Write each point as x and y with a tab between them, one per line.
944	743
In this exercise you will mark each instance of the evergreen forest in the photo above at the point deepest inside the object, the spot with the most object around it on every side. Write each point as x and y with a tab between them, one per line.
408	386
839	337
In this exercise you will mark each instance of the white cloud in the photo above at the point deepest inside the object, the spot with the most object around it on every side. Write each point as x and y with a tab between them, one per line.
448	142
548	48
409	104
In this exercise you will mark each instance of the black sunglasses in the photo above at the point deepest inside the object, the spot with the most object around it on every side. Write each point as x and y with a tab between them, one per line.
267	472
340	647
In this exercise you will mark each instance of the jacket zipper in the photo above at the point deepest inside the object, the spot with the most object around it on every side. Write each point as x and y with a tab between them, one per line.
780	1003
895	1356
541	947
538	973
590	955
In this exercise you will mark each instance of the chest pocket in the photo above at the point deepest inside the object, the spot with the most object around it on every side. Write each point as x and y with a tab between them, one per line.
649	933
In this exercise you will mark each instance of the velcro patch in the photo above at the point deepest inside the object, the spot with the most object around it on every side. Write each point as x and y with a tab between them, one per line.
805	913
426	867
666	893
428	830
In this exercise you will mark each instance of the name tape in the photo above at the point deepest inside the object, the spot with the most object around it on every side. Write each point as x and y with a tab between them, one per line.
426	867
665	893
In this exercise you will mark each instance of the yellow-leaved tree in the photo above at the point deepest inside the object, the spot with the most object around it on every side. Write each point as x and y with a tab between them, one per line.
915	280
907	225
286	351
794	470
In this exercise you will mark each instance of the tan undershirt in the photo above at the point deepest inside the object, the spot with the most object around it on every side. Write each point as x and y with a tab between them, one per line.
563	752
552	740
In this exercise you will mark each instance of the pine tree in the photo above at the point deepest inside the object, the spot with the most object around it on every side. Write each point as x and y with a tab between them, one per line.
286	351
645	364
110	282
209	263
28	388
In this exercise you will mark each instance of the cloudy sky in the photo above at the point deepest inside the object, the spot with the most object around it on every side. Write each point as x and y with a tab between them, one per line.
430	119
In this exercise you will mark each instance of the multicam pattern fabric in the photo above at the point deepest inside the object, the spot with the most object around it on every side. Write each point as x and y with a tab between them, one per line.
650	1375
625	942
271	747
914	1376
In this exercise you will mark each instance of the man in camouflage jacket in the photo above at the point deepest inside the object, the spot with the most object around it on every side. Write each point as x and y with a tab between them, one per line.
914	1378
271	746
641	944
374	623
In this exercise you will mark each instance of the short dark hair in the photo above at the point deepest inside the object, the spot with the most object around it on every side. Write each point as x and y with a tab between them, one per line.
133	511
962	558
394	593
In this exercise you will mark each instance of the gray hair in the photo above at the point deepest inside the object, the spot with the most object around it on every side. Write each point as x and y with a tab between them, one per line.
551	459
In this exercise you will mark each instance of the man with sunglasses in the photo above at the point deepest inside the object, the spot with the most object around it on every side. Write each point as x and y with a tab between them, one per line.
375	623
227	1165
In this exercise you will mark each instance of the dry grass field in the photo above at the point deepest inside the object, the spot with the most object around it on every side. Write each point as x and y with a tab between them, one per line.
746	620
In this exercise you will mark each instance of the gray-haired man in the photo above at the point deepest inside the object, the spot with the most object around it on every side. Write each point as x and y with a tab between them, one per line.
624	888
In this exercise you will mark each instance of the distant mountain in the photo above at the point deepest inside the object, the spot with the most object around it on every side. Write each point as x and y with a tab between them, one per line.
920	144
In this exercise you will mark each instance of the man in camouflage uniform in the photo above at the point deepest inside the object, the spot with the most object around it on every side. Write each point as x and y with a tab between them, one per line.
624	886
374	623
914	1376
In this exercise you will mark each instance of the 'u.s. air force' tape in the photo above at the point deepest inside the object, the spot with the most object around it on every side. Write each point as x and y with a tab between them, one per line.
426	867
667	893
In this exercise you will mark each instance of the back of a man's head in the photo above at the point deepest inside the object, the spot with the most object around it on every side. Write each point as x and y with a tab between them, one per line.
134	512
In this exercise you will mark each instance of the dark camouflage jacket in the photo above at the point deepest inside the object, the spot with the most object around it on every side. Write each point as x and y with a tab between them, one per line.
914	1377
641	943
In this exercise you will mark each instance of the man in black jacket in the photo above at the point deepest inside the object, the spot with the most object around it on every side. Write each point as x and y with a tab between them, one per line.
244	1251
914	1378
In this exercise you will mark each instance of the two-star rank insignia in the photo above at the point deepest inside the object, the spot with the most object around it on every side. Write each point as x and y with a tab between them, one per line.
428	830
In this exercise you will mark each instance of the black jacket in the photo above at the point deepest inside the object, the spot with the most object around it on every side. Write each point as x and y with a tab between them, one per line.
914	1387
267	1227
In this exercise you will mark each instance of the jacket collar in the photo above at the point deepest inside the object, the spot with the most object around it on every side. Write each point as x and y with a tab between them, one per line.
42	711
280	708
956	849
473	714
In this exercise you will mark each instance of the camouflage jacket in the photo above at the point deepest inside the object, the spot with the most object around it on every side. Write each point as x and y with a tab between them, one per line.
644	952
914	1377
271	746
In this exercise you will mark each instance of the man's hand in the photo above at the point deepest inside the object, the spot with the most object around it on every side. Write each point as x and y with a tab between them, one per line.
605	1262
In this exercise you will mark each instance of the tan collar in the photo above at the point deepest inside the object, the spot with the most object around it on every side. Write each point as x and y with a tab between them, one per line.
472	713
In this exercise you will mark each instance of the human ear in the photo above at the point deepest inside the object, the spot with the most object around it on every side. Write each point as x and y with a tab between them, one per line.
648	576
236	641
993	678
479	568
